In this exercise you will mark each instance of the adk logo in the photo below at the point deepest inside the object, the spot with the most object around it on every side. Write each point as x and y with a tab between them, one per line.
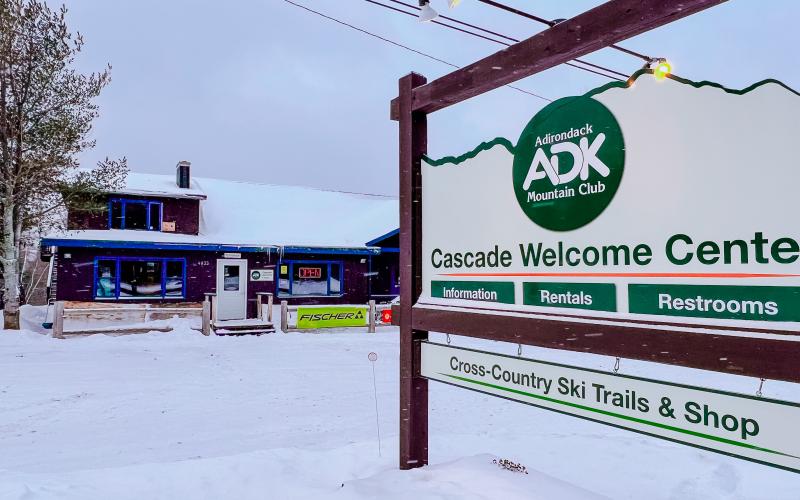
568	163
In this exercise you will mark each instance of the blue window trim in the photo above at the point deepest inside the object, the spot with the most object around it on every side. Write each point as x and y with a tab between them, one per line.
147	203
291	264
117	261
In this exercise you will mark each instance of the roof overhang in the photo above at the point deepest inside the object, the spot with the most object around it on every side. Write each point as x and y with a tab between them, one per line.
383	237
208	247
190	194
155	245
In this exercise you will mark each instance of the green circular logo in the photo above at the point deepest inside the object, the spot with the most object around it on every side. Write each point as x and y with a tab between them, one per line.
568	163
255	275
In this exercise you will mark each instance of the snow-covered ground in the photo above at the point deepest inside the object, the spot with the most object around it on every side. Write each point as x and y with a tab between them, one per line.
285	416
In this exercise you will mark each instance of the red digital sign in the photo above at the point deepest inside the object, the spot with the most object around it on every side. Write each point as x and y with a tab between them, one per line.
309	272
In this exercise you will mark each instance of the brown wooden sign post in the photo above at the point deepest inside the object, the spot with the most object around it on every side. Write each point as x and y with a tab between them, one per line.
595	29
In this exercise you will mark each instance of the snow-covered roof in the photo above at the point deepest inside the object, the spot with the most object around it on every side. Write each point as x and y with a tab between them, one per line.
158	185
262	215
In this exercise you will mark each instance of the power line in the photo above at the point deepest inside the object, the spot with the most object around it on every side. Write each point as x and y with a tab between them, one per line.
552	23
459	22
405	47
371	34
587	63
434	21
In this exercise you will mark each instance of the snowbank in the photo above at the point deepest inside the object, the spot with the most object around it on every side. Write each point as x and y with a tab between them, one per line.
179	415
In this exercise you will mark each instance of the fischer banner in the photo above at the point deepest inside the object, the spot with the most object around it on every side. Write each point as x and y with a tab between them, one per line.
749	427
666	201
331	316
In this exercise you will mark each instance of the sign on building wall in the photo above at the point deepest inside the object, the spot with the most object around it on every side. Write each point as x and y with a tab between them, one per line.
262	275
749	427
331	316
306	272
666	201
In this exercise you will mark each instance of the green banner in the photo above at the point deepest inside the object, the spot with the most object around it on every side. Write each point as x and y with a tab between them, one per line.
331	317
594	296
484	291
762	303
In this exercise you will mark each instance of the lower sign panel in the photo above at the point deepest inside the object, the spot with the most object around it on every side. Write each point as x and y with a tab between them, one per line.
757	429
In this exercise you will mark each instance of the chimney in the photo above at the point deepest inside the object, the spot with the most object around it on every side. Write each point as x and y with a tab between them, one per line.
182	176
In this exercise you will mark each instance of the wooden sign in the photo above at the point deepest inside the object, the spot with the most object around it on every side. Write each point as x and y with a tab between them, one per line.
745	426
434	267
599	210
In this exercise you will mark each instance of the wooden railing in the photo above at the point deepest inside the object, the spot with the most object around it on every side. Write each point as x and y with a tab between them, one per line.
142	312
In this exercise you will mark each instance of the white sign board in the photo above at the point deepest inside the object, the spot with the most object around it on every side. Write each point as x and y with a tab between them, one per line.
667	201
262	275
756	429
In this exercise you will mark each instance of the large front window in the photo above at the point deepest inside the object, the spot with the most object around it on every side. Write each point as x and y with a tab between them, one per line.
303	278
125	213
139	278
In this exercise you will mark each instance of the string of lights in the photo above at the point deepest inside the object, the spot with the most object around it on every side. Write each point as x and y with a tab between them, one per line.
400	45
511	39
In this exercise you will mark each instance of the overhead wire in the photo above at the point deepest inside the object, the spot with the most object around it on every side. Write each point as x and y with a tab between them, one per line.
435	21
400	45
515	40
553	22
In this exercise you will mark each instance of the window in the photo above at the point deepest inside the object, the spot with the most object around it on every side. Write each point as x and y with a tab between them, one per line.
174	278
106	279
134	214
230	278
336	278
303	278
139	278
284	284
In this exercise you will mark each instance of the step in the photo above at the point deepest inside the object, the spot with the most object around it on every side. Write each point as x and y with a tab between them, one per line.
239	324
255	331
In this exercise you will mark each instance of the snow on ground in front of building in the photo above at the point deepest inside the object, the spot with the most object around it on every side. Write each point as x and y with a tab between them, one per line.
284	416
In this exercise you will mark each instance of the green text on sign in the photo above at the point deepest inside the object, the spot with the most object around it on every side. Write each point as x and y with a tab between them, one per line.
740	425
595	296
762	303
331	317
486	291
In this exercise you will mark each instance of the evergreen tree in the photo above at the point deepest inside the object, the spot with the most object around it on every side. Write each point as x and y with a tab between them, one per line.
46	113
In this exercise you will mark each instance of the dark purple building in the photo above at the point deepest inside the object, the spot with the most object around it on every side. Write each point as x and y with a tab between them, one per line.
174	239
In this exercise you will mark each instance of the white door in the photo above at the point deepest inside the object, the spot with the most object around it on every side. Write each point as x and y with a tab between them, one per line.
231	289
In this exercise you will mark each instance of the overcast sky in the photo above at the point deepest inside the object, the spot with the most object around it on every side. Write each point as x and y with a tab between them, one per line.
260	90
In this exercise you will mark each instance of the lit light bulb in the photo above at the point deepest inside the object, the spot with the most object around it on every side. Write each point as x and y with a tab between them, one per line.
662	69
427	13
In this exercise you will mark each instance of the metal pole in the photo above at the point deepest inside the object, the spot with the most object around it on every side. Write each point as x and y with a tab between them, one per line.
377	418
